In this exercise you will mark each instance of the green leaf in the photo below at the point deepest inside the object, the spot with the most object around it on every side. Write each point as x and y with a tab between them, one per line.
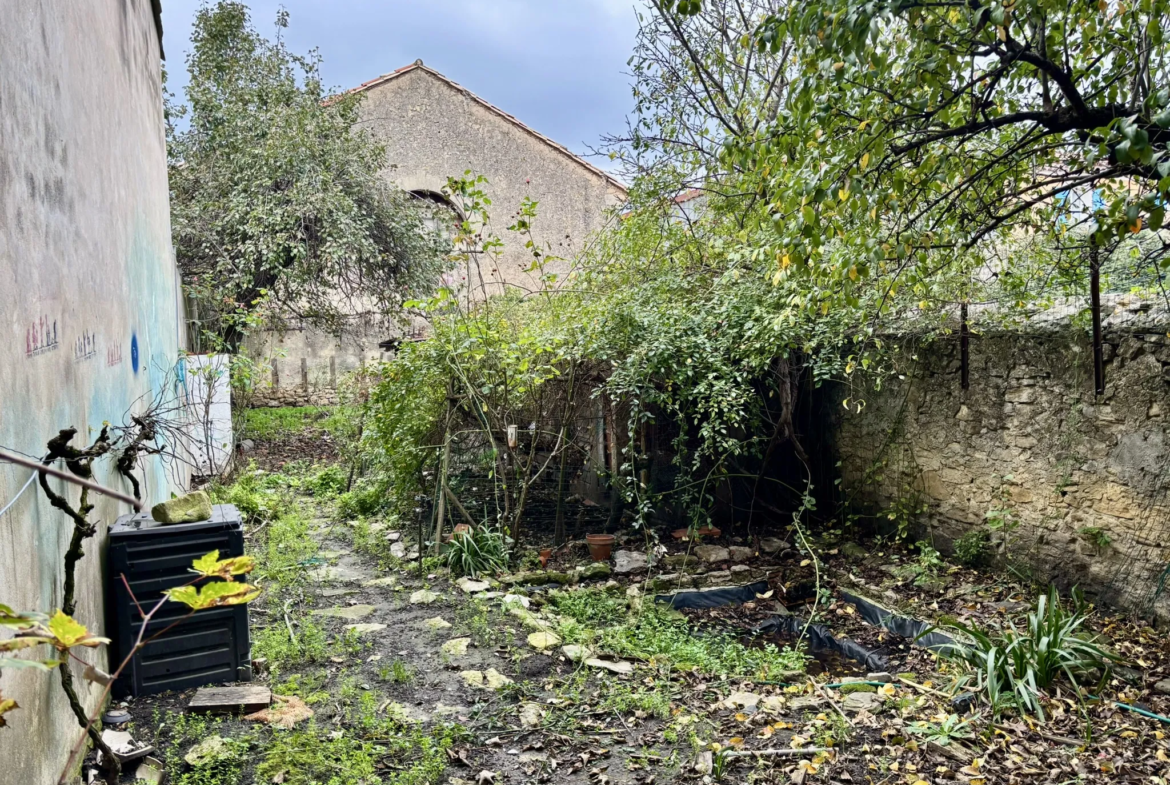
24	642
15	664
213	595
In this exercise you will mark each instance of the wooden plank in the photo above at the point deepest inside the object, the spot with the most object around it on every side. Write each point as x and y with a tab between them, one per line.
229	700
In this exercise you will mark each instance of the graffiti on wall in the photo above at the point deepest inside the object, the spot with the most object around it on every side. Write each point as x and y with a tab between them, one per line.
40	337
134	352
85	346
114	354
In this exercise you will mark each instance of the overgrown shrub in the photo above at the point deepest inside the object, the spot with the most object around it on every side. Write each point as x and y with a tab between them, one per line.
1013	667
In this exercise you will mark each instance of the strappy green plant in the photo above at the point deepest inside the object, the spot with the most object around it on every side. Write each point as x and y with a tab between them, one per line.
481	551
1013	667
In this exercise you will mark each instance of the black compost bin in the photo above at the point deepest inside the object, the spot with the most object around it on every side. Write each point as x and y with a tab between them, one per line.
210	647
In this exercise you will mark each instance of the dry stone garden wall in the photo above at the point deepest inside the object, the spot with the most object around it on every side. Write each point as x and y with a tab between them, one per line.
1069	485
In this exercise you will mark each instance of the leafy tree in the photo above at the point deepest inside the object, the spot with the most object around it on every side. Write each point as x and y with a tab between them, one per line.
907	143
276	193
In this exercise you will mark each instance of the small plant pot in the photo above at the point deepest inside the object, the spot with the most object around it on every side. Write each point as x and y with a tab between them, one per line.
600	546
706	531
545	555
460	530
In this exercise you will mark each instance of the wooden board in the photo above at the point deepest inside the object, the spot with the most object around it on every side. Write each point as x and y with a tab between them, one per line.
229	700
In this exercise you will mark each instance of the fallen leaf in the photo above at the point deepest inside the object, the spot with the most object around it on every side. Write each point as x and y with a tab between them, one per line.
285	712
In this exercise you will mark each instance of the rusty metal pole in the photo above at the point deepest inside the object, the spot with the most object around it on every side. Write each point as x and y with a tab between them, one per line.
964	348
93	486
1095	307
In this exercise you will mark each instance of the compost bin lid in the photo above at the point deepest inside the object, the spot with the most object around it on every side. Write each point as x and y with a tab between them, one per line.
223	516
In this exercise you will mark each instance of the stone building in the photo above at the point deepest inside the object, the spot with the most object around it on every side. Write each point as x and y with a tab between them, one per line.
90	302
434	129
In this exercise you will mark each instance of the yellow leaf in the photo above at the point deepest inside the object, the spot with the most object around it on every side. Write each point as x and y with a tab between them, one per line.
741	717
865	160
852	272
210	566
887	690
735	741
767	731
6	705
805	563
921	782
1162	756
69	632
808	766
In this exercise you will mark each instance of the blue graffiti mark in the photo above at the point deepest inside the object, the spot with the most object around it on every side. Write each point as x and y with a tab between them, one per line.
134	352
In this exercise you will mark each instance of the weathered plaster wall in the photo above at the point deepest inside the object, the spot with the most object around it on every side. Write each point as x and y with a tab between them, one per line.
1030	437
88	300
433	130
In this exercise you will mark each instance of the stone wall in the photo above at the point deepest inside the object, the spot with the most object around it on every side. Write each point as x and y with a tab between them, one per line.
1085	477
89	304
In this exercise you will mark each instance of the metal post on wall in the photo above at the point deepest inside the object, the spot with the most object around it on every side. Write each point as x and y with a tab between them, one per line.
964	348
1095	307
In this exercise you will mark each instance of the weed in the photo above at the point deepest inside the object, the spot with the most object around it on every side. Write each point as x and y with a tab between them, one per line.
942	729
311	757
664	635
654	702
397	672
1012	666
1096	535
973	548
925	569
307	686
351	643
485	624
589	607
281	651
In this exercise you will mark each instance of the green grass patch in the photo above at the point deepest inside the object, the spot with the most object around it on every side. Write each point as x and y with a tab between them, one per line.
276	423
283	653
664	635
589	607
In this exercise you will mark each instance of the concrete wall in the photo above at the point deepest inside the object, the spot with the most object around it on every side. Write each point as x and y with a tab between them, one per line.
1030	438
88	301
432	130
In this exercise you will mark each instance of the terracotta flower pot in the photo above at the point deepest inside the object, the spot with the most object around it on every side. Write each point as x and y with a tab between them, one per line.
706	531
460	530
545	554
600	546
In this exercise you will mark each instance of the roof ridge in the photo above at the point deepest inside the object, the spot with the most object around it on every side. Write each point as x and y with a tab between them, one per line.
417	65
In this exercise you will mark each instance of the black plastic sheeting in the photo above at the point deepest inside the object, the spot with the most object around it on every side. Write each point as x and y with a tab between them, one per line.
821	639
913	629
714	598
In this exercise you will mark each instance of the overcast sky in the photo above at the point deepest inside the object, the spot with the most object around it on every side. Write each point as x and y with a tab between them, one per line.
557	65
